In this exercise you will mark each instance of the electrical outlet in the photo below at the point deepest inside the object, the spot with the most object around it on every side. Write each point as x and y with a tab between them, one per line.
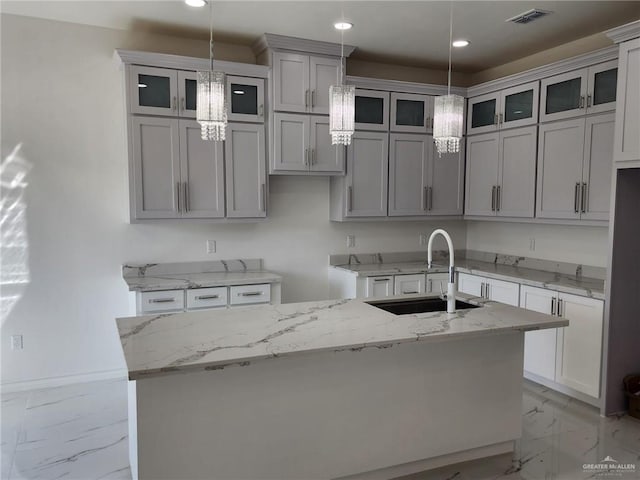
211	246
532	244
16	342
351	241
423	240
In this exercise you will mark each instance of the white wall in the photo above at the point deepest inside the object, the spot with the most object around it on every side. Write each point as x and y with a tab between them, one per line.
574	244
62	97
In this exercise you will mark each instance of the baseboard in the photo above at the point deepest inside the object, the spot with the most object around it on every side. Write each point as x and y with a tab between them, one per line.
61	381
570	392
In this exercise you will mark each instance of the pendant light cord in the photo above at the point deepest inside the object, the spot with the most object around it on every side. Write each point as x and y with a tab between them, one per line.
450	41
211	34
342	48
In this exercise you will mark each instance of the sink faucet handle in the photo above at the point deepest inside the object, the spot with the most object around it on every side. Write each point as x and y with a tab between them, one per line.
442	294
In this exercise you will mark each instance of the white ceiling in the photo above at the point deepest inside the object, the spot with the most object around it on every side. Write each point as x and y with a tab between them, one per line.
405	32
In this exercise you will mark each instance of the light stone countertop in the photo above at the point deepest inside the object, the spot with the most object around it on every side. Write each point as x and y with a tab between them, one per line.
215	339
199	280
583	286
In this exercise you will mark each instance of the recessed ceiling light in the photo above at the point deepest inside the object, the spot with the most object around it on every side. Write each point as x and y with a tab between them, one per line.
196	3
342	25
238	92
460	43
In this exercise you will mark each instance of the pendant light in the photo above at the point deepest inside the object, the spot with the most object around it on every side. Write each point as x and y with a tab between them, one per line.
211	105
342	110
448	114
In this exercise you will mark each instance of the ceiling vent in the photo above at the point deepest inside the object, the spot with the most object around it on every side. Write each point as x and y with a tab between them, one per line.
528	16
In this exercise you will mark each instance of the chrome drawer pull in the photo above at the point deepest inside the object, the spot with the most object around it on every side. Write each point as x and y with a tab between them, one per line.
162	300
207	297
250	294
380	279
409	293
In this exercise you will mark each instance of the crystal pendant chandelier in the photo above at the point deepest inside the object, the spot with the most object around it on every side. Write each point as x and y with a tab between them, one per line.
448	112
211	105
342	111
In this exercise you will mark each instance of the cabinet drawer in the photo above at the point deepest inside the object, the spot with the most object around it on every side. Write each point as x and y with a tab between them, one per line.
409	284
206	297
249	294
168	300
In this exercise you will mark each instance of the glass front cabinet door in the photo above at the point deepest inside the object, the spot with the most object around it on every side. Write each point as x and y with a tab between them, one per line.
154	91
245	99
483	113
372	110
519	106
602	83
411	113
187	93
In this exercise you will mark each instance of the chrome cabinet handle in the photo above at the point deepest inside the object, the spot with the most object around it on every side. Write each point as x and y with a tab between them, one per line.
500	119
207	297
495	119
576	198
498	199
306	98
380	280
553	305
182	104
174	103
306	156
313	98
482	290
186	197
583	199
178	196
409	293
263	199
487	291
250	294
588	100
313	156
429	198
425	196
560	309
162	300
349	198
261	111
581	104
430	286
493	198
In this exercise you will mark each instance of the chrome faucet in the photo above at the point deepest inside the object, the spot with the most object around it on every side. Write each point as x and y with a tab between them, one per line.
451	286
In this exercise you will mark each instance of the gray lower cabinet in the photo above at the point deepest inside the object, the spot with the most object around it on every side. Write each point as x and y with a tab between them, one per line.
501	170
244	151
177	175
575	159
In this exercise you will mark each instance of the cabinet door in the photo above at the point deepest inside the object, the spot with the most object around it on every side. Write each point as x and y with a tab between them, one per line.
563	96
482	174
154	91
323	73
291	82
202	173
437	283
445	192
602	83
187	93
483	114
504	292
580	344
245	99
244	152
372	110
408	162
516	196
409	284
560	157
409	112
598	165
367	175
627	140
378	287
324	156
519	105
540	345
291	142
156	167
470	284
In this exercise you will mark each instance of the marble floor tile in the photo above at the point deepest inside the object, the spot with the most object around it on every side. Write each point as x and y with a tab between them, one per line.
12	414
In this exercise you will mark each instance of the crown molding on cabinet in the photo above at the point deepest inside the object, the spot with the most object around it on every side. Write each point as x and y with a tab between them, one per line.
402	87
549	70
624	32
282	42
179	62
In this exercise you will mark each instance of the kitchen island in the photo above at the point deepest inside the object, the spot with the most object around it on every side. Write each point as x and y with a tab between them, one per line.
324	389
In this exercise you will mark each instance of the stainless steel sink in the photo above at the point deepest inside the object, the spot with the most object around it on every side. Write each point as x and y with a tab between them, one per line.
419	305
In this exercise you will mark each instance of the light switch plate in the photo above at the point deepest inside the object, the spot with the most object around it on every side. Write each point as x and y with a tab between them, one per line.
423	240
211	246
16	342
351	241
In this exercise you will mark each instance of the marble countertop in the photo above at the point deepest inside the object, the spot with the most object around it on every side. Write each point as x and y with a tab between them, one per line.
199	280
566	283
215	339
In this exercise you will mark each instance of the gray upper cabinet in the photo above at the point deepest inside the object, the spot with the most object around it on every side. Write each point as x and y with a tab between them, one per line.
408	173
245	164
509	108
445	189
245	99
411	113
302	144
156	184
575	158
372	110
301	82
584	91
367	175
501	173
176	173
154	91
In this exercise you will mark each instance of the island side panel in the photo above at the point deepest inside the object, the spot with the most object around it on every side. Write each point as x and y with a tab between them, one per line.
332	414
